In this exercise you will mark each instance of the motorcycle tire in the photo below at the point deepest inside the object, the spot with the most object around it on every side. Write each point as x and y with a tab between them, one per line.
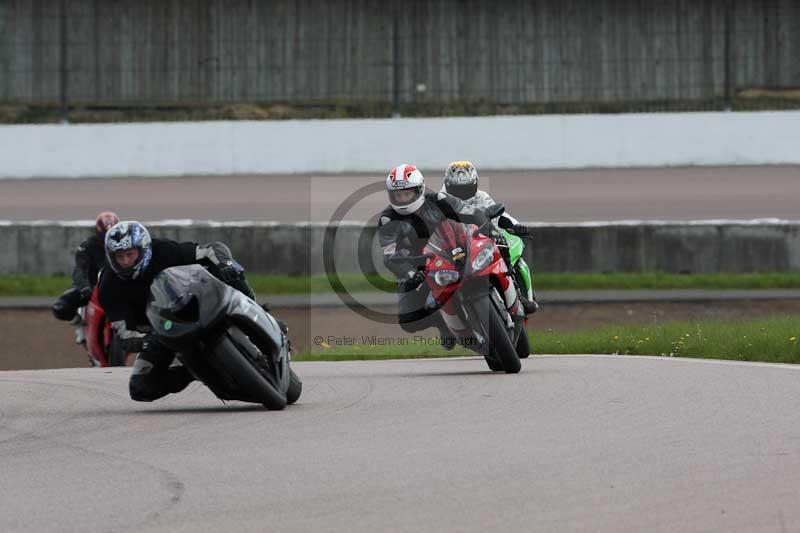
295	388
248	378
499	342
523	344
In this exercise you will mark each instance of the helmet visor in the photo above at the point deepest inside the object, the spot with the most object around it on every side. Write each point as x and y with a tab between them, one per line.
404	197
125	261
464	192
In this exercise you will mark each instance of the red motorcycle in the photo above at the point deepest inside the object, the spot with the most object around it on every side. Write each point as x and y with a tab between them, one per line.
475	293
102	345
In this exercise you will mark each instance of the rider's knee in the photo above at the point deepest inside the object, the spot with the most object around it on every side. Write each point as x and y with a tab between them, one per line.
414	321
141	389
143	384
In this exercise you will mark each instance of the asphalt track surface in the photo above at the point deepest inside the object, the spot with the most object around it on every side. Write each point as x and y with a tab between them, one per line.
691	193
572	443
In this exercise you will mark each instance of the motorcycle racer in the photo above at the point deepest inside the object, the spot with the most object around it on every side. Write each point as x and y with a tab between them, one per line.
404	228
461	180
134	259
90	258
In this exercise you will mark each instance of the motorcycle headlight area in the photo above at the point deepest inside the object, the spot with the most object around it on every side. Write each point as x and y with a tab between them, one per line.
445	277
483	259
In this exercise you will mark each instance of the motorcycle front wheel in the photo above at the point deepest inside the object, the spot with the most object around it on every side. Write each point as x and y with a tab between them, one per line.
494	329
244	372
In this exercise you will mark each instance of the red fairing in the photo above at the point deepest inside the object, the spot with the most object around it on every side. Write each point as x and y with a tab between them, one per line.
497	268
98	330
450	237
441	294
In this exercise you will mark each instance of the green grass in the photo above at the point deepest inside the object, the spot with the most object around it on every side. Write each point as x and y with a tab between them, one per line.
772	340
660	280
24	285
265	285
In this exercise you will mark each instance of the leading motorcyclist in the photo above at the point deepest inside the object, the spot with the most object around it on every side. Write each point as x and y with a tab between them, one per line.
404	228
461	180
134	260
90	258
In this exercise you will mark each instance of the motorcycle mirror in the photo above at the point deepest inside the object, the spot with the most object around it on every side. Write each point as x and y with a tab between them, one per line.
495	210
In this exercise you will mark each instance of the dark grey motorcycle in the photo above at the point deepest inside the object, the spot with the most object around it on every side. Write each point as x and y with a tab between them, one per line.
225	339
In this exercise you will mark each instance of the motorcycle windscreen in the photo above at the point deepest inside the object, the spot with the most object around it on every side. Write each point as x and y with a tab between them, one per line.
450	240
184	295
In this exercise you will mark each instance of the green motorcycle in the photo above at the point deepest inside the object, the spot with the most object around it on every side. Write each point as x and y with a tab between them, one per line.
515	248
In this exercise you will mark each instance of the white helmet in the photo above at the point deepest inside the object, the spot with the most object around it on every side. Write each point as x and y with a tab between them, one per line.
406	186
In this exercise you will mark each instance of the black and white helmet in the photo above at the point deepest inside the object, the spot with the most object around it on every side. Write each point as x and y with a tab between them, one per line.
461	179
129	235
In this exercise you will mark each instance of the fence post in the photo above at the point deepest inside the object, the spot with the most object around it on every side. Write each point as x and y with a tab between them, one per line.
728	55
63	57
396	60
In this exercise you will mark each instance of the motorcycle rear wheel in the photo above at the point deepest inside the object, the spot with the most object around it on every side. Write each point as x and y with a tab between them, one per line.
295	388
523	344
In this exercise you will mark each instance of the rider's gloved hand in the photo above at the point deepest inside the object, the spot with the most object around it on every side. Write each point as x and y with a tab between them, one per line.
519	230
488	230
85	295
145	343
228	272
414	280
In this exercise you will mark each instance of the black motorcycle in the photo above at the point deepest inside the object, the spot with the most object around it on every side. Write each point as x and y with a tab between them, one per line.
225	339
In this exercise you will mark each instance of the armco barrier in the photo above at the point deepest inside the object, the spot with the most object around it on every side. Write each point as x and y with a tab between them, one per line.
298	249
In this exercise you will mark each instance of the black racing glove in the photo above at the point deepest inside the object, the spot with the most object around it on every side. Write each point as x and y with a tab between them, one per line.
228	271
414	280
519	230
145	343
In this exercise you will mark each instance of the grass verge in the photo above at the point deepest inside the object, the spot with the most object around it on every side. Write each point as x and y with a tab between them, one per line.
772	340
25	285
86	112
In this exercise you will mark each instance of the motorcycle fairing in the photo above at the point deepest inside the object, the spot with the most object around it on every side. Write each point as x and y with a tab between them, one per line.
185	301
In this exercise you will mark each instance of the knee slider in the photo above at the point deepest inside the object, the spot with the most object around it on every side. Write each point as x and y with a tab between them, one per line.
140	390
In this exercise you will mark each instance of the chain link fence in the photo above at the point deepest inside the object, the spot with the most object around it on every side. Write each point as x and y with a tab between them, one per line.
186	59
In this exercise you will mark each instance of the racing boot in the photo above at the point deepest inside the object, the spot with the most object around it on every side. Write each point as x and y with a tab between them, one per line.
80	335
281	324
446	339
530	306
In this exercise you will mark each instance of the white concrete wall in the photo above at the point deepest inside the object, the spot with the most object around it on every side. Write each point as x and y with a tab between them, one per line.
267	147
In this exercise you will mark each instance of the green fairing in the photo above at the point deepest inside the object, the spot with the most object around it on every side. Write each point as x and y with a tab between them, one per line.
515	247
